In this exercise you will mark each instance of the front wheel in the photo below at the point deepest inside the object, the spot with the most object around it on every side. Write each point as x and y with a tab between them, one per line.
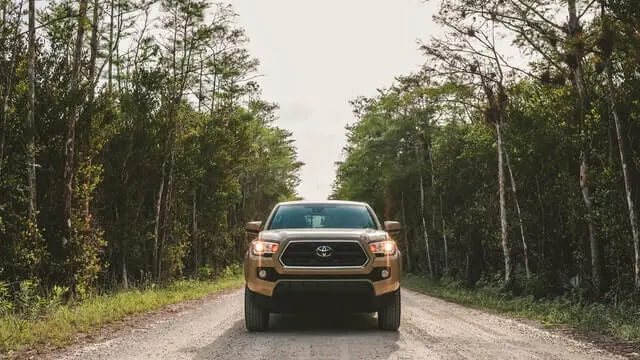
255	318
389	316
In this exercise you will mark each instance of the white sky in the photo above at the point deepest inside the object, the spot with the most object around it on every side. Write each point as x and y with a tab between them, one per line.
316	55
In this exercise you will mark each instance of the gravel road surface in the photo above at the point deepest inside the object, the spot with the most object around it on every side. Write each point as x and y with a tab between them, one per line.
430	329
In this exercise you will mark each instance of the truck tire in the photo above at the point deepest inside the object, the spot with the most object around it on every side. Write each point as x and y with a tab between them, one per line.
255	318
389	316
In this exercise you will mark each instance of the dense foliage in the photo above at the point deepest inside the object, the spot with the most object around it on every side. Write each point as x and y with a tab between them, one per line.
134	143
522	175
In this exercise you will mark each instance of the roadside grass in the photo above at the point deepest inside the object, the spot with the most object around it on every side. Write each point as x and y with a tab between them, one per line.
620	323
61	325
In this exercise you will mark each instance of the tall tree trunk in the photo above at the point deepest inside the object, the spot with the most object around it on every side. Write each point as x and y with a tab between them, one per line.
213	91
425	234
31	124
166	219
125	274
405	233
156	228
444	235
194	236
433	186
433	215
525	251
574	30
633	219
3	121
84	147
543	231
72	120
110	54
116	48
123	250
594	245
506	248
200	93
95	19
11	73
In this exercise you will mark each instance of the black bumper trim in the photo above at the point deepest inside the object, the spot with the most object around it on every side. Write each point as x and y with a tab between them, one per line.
273	275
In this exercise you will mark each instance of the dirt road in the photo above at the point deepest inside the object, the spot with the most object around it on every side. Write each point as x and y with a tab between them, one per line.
430	329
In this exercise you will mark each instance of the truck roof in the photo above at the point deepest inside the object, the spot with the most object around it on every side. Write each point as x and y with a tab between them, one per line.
304	202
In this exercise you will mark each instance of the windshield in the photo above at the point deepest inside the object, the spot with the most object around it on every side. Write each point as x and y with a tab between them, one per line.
333	216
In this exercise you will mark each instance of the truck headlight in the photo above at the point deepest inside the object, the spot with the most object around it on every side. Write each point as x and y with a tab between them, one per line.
383	247
259	247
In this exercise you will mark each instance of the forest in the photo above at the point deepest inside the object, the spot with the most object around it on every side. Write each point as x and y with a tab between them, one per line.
513	169
134	145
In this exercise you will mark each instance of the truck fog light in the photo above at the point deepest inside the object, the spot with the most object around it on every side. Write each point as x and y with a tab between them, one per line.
262	274
384	273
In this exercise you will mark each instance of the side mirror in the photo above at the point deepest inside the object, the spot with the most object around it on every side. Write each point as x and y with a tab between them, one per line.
253	227
392	227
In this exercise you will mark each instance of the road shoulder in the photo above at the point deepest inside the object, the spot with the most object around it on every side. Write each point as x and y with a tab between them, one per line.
627	349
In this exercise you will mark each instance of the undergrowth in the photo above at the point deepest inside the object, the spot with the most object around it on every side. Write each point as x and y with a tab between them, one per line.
42	321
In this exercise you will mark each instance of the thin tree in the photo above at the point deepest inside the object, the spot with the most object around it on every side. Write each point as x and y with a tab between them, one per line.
425	233
607	42
10	78
30	124
468	53
405	232
525	251
187	36
72	121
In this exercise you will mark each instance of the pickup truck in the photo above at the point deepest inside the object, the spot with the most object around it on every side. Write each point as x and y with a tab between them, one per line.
314	256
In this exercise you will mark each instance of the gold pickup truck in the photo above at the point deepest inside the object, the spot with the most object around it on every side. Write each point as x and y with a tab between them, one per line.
322	256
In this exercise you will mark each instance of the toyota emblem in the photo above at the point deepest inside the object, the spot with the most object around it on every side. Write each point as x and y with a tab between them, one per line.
323	251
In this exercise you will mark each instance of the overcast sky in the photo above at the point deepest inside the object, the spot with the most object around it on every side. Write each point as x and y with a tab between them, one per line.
316	55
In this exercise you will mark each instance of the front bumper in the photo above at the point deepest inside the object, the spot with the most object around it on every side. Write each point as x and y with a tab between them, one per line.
354	289
323	296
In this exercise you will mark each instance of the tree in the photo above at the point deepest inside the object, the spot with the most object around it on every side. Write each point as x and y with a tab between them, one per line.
73	116
10	40
607	41
117	105
469	53
569	113
561	46
30	123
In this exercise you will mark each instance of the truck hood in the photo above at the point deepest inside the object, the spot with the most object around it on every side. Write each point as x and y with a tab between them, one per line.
282	235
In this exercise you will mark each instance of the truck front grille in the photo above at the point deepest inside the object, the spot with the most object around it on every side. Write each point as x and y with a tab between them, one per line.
324	254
